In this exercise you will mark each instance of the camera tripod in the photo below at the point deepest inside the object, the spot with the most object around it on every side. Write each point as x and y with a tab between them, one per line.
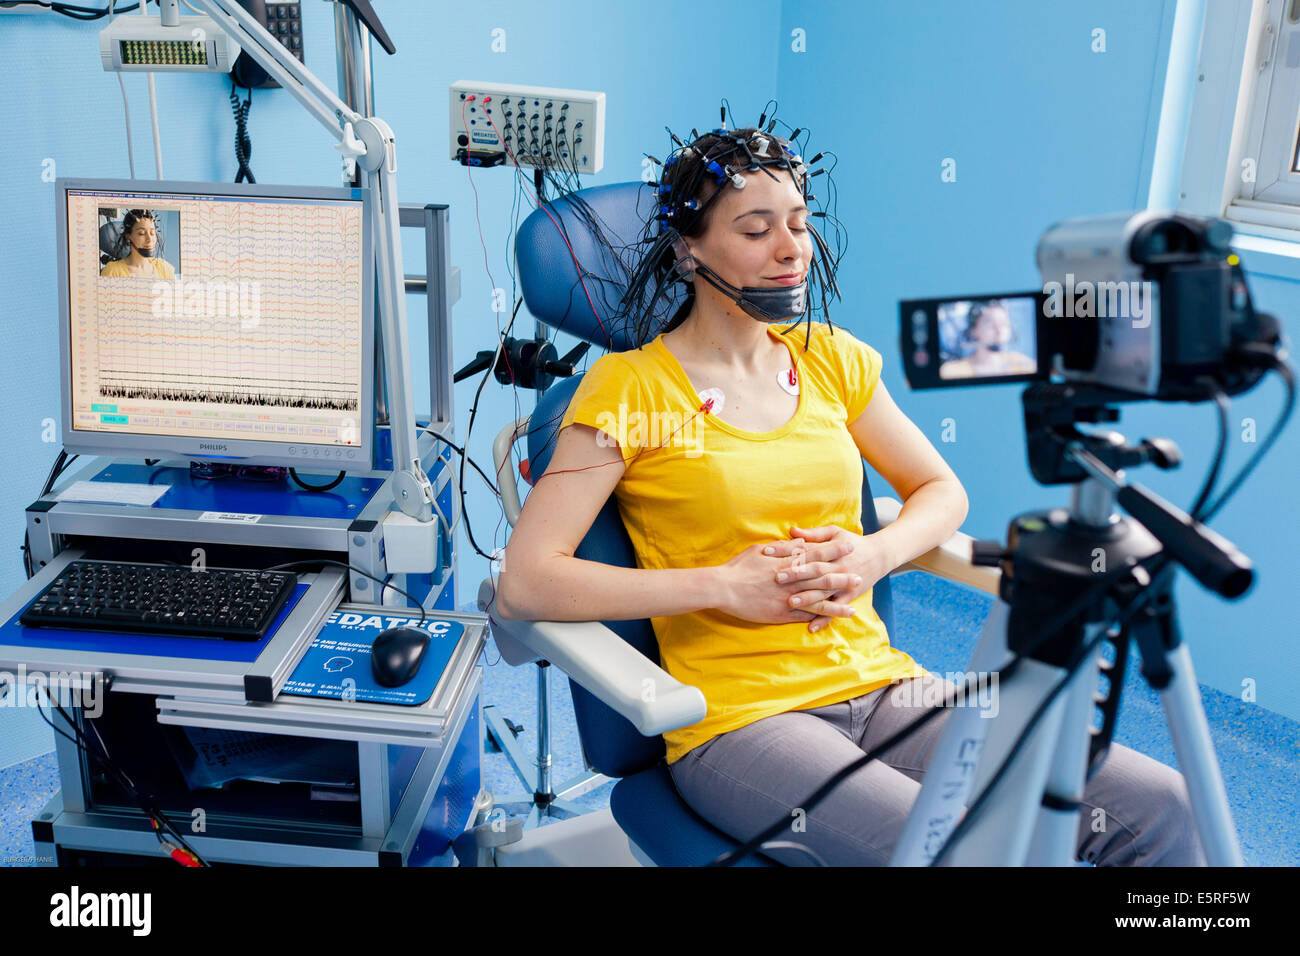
1114	568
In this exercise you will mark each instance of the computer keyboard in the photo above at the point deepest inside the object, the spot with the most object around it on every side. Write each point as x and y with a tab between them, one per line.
221	603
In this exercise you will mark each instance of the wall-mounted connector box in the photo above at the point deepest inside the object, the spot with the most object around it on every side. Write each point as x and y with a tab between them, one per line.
530	125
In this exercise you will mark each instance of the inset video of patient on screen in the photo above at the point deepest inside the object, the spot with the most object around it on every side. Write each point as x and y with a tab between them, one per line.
212	316
986	338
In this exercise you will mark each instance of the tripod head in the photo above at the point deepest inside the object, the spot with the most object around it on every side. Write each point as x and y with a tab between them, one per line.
1052	415
1094	463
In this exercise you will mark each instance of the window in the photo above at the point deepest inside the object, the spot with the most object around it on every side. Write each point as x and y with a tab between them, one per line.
1242	155
1273	131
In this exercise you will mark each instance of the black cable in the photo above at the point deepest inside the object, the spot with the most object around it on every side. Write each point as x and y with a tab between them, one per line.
1220	451
1083	601
293	473
243	145
67	9
1268	359
460	486
339	564
469	428
56	471
456	448
153	808
147	806
61	464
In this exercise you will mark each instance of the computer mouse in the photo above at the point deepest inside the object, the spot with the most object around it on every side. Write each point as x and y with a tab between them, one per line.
396	654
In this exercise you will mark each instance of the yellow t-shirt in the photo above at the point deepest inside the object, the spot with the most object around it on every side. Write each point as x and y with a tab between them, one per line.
700	491
118	269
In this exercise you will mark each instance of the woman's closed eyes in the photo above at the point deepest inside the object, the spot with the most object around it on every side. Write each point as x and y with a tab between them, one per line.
760	235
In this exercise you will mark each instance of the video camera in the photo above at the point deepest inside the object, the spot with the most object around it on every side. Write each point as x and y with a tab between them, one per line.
1144	305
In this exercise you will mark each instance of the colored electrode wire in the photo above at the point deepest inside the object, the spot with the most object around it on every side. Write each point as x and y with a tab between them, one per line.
539	204
653	295
642	278
566	186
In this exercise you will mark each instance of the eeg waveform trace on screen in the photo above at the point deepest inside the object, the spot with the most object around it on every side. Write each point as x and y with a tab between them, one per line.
248	322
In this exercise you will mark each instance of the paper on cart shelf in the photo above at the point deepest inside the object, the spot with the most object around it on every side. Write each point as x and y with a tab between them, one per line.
113	492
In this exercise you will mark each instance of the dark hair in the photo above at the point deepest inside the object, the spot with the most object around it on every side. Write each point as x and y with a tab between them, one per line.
132	218
693	177
687	175
636	281
976	313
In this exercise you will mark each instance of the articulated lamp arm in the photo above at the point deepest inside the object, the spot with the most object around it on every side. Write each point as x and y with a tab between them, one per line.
369	141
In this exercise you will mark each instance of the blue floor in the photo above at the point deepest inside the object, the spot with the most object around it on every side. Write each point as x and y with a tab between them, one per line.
938	624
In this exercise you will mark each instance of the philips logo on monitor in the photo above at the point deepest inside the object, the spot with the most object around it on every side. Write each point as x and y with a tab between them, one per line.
212	446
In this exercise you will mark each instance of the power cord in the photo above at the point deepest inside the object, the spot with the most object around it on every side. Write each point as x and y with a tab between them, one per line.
339	564
157	818
243	145
293	473
69	10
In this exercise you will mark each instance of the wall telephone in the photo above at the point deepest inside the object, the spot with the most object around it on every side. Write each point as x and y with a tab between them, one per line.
284	22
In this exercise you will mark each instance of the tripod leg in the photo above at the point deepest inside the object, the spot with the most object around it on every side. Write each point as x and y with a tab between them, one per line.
946	785
1196	759
1000	835
1056	832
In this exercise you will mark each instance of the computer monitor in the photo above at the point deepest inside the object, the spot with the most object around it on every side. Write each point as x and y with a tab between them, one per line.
246	337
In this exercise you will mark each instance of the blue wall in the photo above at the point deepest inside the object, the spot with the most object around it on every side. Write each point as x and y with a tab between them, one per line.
1041	128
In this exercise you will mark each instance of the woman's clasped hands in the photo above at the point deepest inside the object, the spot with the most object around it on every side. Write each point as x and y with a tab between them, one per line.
813	576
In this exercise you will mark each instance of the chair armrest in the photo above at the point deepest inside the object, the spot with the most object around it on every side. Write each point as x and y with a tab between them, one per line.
603	663
950	560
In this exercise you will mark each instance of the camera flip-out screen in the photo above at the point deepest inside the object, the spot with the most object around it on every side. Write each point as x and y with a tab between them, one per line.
972	340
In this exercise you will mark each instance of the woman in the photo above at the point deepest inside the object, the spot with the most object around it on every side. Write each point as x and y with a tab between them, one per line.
989	329
140	233
752	565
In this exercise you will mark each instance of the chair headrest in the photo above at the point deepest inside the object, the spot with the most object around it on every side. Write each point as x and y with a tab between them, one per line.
594	220
111	242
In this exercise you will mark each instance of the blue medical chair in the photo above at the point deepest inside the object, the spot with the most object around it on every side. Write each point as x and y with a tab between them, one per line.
619	731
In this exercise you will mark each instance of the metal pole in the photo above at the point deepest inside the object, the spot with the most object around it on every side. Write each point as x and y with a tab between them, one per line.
356	85
543	730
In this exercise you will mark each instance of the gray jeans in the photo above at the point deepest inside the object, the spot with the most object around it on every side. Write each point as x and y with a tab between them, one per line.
745	780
